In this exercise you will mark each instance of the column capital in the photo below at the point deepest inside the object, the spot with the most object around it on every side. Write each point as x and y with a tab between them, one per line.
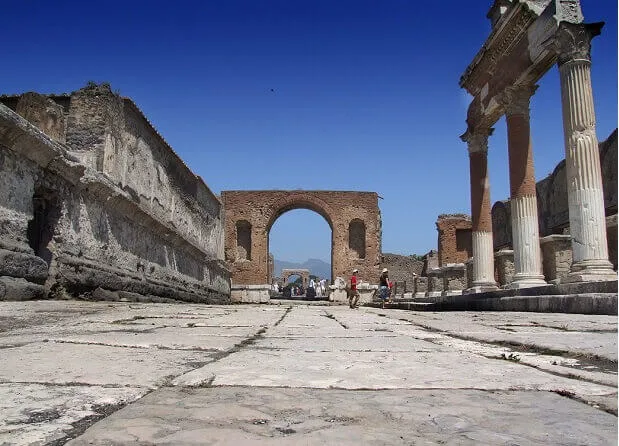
515	99
573	41
477	139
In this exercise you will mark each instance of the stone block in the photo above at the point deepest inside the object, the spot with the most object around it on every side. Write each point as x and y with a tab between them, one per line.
504	265
469	273
13	288
103	294
250	294
454	278
19	264
421	285
435	282
338	295
556	256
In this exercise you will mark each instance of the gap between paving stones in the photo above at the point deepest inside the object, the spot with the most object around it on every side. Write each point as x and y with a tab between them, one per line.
605	365
103	411
542	354
332	316
143	347
587	359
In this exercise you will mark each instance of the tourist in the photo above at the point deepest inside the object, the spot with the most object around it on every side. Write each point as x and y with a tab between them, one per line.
384	288
353	293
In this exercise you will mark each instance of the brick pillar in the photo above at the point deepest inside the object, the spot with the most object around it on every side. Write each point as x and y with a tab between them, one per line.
483	256
525	227
582	157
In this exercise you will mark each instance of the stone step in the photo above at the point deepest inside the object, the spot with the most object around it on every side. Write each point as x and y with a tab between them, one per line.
580	303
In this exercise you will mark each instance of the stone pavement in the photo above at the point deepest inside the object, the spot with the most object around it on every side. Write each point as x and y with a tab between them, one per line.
176	374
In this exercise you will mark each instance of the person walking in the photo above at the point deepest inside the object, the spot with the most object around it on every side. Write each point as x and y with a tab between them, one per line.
353	293
384	287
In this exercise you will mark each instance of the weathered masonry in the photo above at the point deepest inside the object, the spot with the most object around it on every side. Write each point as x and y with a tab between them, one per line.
527	39
303	273
94	202
354	219
454	231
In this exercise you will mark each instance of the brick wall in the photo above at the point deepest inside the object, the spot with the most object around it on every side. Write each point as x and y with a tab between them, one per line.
339	209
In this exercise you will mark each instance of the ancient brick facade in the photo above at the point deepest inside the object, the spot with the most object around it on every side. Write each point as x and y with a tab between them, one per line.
92	198
354	219
454	238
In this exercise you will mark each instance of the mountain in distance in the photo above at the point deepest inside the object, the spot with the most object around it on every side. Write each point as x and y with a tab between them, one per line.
316	267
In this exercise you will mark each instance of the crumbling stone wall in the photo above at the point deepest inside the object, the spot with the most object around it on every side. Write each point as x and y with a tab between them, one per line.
114	208
341	210
454	238
402	269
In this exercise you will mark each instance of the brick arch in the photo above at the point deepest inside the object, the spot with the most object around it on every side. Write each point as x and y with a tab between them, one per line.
303	273
339	208
296	200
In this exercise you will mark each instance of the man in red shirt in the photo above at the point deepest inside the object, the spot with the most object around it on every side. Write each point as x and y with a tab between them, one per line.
353	294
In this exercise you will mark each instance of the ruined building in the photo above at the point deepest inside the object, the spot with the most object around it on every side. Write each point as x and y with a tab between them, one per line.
563	228
94	202
354	219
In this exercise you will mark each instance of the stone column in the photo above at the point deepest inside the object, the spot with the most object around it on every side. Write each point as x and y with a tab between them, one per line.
582	156
525	227
483	256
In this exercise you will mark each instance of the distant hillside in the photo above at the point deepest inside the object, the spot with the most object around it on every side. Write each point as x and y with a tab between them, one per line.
316	267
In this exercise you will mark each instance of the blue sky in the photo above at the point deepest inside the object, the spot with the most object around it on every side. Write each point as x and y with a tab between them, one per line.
298	94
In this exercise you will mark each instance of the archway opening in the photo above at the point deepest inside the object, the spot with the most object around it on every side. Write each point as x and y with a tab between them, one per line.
301	239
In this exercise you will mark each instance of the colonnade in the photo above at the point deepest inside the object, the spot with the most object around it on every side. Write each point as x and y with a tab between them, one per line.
572	42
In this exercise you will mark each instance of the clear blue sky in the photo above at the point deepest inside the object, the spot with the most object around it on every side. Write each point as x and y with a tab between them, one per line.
366	95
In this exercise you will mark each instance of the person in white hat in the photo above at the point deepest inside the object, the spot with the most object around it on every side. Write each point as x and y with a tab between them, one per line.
353	293
383	290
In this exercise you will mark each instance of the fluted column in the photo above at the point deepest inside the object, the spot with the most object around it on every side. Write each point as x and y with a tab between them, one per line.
582	157
483	254
525	226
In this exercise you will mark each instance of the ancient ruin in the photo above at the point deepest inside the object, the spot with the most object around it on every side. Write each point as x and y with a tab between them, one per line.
527	38
303	273
354	219
94	202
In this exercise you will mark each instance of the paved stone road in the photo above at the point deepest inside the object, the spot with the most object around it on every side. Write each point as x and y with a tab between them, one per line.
128	373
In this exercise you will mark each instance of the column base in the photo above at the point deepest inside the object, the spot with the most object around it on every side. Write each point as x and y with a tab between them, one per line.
434	293
527	281
452	293
481	288
590	271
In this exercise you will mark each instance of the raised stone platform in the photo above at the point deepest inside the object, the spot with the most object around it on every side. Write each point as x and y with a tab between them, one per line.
580	298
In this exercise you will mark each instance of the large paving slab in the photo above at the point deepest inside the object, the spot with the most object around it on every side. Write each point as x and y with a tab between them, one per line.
594	335
40	413
298	374
282	416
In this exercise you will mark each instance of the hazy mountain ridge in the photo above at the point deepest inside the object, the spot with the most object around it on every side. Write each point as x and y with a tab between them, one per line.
316	267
